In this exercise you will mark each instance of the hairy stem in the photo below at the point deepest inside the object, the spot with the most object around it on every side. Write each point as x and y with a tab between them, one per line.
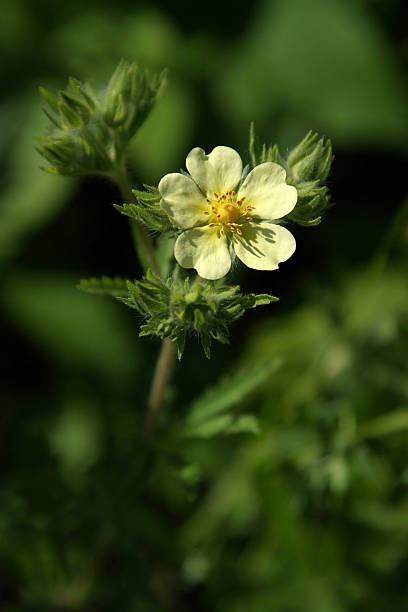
167	356
162	374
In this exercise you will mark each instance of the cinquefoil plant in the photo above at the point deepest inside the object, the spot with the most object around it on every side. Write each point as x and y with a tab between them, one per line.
216	212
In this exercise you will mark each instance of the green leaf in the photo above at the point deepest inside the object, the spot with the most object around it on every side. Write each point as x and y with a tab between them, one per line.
147	209
105	285
210	414
386	424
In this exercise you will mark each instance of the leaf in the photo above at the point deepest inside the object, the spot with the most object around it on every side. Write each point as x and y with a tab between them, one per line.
386	424
106	285
209	415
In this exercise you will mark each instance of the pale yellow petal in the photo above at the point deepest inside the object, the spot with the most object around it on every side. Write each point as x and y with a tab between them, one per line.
265	189
182	201
264	245
205	250
218	172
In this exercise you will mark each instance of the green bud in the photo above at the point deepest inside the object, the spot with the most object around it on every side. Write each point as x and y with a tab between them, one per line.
307	167
93	130
178	308
310	160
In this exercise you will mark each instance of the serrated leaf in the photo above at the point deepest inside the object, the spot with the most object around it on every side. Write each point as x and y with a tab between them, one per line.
244	423
229	392
205	343
106	285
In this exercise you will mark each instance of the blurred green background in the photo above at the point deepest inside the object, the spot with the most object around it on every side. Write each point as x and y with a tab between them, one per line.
311	514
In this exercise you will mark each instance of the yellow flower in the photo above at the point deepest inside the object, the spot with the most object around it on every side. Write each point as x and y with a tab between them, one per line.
219	220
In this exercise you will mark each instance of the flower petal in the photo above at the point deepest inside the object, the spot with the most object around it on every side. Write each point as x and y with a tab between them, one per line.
264	245
182	200
205	250
218	172
265	189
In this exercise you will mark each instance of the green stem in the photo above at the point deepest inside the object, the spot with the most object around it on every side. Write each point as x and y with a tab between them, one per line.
162	374
141	239
167	356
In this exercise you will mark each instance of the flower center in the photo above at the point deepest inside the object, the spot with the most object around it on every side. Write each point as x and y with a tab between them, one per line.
228	213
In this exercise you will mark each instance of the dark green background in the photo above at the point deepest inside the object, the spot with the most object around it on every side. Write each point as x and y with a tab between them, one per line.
311	514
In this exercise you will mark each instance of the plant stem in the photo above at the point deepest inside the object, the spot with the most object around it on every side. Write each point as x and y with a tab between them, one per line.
141	239
162	374
167	356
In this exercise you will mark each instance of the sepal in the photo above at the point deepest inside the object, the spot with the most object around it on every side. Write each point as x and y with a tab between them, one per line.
178	307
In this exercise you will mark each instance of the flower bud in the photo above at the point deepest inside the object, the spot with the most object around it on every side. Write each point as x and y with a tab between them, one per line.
308	166
91	131
177	308
310	160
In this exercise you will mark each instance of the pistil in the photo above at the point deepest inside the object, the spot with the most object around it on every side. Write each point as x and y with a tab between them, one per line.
228	213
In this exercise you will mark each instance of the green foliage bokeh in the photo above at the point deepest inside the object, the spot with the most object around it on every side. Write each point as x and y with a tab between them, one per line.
304	509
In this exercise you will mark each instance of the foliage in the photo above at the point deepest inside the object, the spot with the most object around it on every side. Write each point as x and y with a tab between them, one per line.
147	210
91	131
211	413
177	308
104	286
310	514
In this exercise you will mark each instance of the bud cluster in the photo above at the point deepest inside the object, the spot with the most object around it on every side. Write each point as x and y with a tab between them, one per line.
91	130
177	308
307	167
